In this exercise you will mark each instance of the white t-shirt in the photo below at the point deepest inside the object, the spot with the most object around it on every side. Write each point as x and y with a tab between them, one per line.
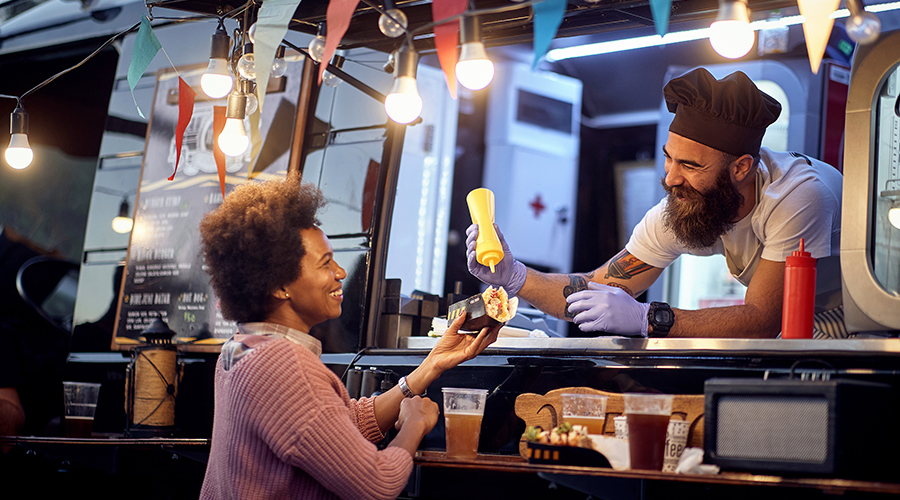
797	197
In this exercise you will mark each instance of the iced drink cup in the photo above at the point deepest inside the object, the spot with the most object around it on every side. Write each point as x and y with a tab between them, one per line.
647	416
80	403
588	410
463	409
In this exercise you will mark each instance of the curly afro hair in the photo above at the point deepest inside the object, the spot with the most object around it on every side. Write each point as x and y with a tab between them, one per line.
252	246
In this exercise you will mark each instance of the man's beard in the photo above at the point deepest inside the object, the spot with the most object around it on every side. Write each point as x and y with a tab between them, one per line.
699	220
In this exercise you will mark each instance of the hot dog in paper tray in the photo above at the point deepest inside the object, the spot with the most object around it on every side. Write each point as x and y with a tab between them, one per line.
489	308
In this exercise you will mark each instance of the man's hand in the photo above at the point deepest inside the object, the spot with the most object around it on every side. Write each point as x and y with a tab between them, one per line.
508	273
603	308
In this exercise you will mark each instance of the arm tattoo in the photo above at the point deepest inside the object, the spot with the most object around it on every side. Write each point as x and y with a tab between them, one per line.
625	266
623	287
576	284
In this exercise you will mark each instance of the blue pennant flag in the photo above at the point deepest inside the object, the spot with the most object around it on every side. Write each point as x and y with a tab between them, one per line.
548	15
660	10
146	45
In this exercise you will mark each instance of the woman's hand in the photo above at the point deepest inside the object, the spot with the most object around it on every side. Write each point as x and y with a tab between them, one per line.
419	410
455	348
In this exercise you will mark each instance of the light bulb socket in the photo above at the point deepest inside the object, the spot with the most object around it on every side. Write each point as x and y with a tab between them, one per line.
248	48
733	10
469	30
855	7
18	123
321	30
123	208
237	104
405	61
246	87
219	43
279	52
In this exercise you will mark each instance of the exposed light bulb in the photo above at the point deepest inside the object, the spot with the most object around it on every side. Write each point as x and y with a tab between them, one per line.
392	28
251	33
863	28
474	70
279	65
246	65
894	216
317	48
252	104
730	34
217	81
233	140
403	104
331	80
19	154
123	223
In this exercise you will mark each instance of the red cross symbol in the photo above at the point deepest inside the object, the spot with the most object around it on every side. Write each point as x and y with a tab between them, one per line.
537	205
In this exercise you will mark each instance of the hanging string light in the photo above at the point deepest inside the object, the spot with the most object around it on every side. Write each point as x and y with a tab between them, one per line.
862	27
19	154
246	65
403	104
217	81
392	22
279	65
730	34
233	140
317	45
123	223
473	70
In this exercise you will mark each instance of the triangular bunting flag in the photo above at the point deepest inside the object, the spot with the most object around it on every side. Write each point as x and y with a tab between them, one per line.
218	125
271	26
548	15
660	10
817	27
146	45
446	37
337	20
186	97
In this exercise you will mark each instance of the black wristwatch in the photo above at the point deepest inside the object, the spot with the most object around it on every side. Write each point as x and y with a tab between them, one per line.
661	318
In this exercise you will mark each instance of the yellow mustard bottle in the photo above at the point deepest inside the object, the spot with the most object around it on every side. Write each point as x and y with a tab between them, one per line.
488	250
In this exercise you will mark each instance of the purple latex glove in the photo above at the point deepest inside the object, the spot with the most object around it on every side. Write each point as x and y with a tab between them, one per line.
603	308
508	273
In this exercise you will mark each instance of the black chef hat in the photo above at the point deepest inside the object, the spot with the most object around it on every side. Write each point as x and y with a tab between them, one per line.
730	114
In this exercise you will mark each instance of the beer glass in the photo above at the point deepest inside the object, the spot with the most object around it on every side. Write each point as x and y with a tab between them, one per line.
463	409
647	416
588	410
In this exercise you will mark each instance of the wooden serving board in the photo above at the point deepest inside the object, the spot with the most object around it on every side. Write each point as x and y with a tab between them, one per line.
545	411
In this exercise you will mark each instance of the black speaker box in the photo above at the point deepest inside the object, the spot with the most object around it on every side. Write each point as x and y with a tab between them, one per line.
839	428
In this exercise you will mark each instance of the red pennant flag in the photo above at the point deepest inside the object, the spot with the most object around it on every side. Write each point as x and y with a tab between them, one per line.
446	37
219	124
337	20
186	97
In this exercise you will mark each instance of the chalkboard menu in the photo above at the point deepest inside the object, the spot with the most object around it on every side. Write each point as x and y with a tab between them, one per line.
164	274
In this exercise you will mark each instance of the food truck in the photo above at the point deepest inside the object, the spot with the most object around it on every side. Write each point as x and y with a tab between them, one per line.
572	169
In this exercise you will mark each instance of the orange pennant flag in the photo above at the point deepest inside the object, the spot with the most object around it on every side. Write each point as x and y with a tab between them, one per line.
446	37
186	97
337	20
218	125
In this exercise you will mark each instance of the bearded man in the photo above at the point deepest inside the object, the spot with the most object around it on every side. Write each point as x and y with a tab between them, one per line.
725	195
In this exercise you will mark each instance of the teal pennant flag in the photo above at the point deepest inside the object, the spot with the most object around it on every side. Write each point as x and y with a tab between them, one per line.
146	45
548	15
660	10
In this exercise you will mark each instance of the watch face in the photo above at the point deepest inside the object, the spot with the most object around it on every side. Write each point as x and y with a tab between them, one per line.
663	316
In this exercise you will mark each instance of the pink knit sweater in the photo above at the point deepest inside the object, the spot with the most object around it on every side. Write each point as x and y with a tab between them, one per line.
284	427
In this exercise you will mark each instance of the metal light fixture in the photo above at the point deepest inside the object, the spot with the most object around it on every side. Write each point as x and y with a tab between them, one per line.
862	27
19	154
473	70
403	104
233	140
217	80
247	88
123	223
730	34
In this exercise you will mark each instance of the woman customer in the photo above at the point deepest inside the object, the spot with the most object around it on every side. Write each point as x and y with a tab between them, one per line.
284	425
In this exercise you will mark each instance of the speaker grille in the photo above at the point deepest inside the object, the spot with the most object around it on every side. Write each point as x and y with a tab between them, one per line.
773	427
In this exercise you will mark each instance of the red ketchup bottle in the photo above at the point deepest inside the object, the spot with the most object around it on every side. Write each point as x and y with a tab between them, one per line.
799	295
